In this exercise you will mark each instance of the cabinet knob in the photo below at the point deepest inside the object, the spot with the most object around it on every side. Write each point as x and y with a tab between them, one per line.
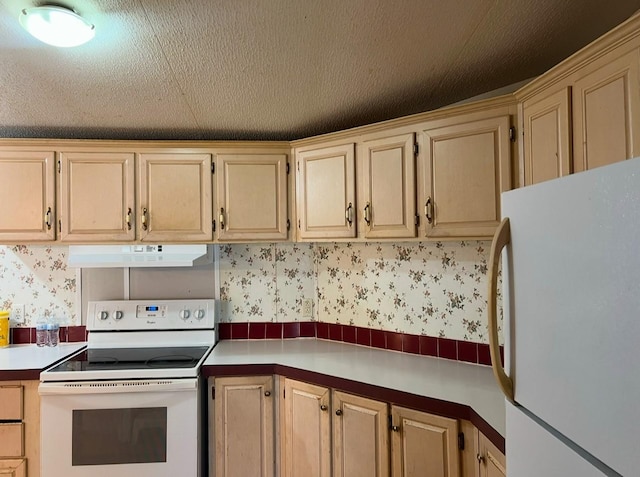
338	412
428	210
221	218
47	218
480	458
129	214
323	407
367	213
395	428
267	393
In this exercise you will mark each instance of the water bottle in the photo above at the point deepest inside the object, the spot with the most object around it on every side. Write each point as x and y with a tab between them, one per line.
41	334
53	334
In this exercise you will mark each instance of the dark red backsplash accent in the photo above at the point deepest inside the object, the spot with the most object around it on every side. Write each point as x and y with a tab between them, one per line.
404	342
68	334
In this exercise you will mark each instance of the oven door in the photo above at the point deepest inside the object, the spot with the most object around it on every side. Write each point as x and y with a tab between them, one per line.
139	428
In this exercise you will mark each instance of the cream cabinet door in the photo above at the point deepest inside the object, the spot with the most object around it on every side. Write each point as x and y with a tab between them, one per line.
251	197
326	192
306	423
13	468
388	184
606	112
97	194
547	137
466	167
174	197
244	427
492	461
27	195
423	444
360	436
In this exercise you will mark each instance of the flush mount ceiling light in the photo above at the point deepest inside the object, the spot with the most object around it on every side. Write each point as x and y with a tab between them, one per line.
57	26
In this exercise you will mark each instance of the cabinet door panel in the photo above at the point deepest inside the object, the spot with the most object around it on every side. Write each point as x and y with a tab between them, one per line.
252	196
27	196
424	445
493	463
306	426
175	190
606	107
360	436
97	197
244	427
326	189
547	137
467	167
388	183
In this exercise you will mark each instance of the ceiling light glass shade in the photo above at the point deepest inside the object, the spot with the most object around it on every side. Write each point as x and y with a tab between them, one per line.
57	26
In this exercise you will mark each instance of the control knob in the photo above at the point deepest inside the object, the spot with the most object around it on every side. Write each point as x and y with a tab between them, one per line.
118	315
185	314
199	314
104	315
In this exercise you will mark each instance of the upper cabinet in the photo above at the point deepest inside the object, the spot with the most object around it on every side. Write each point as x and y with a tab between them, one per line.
174	197
27	195
465	166
97	197
251	197
326	189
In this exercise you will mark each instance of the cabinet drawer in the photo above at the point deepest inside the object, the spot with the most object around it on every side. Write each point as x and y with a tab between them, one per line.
11	399
13	467
11	439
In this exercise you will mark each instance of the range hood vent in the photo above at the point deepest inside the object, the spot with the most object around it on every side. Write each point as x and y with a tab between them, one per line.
138	255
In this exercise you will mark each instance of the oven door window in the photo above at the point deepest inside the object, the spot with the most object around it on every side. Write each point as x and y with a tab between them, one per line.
119	436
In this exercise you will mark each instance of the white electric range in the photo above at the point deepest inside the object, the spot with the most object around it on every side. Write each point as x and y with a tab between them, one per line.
130	403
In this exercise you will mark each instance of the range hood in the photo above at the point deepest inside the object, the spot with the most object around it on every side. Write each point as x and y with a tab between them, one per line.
138	255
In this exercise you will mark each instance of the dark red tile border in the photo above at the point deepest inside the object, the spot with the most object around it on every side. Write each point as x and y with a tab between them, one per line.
224	331
239	331
335	332
411	344
484	355
428	346
447	348
257	331
291	330
349	334
77	333
363	336
468	351
21	335
322	330
394	341
308	329
274	331
378	339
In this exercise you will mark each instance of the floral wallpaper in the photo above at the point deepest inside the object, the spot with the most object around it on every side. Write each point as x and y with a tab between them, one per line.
429	288
37	277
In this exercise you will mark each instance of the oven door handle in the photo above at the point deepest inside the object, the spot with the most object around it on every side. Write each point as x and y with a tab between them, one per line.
118	386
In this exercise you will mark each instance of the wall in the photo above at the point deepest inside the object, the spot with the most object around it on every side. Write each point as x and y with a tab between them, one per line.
423	288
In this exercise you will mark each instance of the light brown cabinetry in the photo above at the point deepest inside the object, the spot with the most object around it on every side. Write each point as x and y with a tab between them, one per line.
97	197
360	436
326	189
423	444
244	426
547	137
251	197
480	458
13	467
466	165
174	197
306	424
27	195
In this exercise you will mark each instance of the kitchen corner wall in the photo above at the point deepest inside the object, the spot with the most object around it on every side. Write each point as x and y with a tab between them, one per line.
38	277
423	288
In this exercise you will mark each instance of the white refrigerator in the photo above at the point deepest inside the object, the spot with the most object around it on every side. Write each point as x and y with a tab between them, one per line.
571	303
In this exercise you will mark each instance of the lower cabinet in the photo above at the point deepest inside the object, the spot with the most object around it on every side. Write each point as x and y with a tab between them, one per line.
243	423
13	467
480	458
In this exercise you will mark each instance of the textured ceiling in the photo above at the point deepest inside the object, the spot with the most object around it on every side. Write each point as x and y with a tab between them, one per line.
277	69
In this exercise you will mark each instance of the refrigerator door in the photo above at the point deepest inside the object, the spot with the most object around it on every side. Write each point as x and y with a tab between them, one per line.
572	308
534	452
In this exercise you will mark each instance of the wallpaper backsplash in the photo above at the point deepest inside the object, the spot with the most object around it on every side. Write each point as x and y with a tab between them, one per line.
38	277
429	288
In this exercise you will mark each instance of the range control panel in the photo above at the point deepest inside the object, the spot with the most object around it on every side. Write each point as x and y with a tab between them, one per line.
151	315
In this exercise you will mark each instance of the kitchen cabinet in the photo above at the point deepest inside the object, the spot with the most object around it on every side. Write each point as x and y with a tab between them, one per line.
175	197
423	444
13	467
547	136
388	187
360	436
244	426
27	195
480	458
97	194
251	196
306	424
492	461
326	187
466	165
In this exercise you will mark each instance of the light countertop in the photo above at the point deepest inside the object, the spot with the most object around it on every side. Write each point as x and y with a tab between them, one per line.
25	361
447	380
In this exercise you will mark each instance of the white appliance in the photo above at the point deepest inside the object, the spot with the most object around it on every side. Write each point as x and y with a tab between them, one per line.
571	291
139	255
130	403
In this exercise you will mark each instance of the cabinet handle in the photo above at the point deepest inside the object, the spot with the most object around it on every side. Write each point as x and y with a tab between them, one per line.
367	213
428	210
129	213
349	214
221	218
395	428
338	412
323	407
267	393
144	219
480	458
47	218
